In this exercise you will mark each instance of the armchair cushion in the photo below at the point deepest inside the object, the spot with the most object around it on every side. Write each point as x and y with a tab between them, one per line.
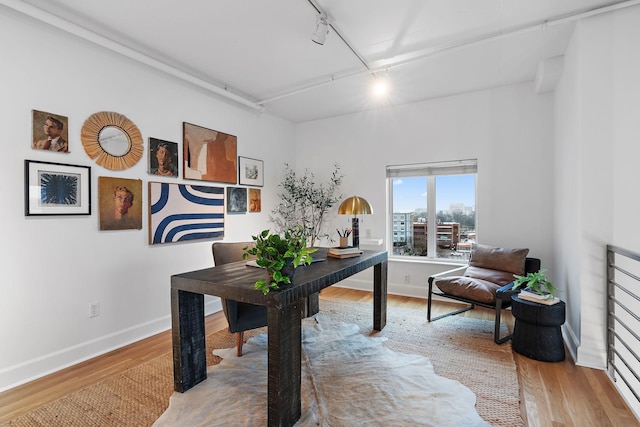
468	287
489	269
495	276
503	259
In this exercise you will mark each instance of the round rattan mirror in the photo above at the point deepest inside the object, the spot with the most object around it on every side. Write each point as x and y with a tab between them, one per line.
112	140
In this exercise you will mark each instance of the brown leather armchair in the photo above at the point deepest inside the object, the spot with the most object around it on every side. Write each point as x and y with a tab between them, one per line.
241	316
486	281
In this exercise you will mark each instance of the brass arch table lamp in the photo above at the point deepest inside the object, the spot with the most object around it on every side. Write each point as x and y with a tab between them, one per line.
355	206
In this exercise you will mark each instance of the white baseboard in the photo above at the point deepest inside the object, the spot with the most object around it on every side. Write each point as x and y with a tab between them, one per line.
33	369
392	288
571	341
595	358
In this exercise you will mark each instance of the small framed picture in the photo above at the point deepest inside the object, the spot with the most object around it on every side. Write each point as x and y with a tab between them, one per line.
50	132
236	200
251	172
255	200
57	189
163	158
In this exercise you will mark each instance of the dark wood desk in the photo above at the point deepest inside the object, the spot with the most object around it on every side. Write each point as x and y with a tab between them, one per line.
284	317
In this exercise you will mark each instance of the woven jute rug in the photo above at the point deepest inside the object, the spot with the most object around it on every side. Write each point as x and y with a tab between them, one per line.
459	348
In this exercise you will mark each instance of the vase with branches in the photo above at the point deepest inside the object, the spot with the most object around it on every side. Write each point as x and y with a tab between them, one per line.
306	203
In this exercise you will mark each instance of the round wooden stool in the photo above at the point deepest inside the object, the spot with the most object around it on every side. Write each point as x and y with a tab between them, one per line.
537	333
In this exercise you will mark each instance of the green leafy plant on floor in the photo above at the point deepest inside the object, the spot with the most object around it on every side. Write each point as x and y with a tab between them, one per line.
280	256
305	202
536	282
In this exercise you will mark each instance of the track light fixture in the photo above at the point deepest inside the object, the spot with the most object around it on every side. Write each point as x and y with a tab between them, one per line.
322	29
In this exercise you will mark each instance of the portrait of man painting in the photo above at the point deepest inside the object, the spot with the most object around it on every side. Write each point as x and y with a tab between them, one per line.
120	203
50	132
209	155
255	200
163	158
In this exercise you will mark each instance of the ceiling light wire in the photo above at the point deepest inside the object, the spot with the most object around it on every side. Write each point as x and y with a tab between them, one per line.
427	53
84	33
338	33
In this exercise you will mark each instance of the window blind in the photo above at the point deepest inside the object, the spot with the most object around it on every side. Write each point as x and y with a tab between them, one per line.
457	167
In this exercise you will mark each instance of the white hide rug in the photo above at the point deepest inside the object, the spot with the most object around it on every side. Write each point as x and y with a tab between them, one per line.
348	379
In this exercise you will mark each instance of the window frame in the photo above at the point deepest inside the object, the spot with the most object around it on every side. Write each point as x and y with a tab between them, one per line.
430	171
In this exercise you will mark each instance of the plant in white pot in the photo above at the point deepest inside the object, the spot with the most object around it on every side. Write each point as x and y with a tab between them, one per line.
280	255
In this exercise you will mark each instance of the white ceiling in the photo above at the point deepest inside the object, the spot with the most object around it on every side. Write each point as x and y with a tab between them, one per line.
261	49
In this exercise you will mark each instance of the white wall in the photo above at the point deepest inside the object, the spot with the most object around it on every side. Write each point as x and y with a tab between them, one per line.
54	267
597	134
564	210
509	130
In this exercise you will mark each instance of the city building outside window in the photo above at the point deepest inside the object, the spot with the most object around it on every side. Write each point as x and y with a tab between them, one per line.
433	196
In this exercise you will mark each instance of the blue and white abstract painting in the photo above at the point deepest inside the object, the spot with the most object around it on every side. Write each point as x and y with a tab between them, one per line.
182	212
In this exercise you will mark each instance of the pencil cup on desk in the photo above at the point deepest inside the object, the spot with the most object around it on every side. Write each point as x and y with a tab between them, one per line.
344	242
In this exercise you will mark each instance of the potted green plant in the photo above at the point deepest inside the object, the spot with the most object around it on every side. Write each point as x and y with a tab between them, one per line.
537	283
280	256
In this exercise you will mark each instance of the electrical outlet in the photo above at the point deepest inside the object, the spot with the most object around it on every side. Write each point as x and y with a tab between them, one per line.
407	279
94	309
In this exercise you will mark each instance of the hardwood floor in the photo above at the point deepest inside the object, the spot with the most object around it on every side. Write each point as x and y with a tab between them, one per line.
552	394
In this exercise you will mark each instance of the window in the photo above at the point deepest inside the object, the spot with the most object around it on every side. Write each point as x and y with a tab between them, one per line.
432	207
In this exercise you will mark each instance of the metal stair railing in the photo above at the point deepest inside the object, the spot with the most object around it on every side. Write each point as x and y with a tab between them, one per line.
623	321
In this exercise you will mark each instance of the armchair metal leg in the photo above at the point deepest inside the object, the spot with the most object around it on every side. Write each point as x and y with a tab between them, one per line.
453	313
429	301
430	298
496	333
240	336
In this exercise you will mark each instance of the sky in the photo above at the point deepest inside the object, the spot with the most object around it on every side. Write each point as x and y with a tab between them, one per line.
410	193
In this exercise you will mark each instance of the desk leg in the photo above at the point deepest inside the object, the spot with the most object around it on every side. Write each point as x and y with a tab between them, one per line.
380	296
284	341
312	306
188	337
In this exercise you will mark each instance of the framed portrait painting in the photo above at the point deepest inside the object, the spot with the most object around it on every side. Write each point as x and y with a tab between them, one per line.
251	172
120	203
255	200
163	158
57	189
50	132
208	155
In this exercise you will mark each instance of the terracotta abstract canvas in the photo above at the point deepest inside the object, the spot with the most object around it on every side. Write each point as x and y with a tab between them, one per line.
209	155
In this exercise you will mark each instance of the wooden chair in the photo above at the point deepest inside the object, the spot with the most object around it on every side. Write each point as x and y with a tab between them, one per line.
486	281
241	316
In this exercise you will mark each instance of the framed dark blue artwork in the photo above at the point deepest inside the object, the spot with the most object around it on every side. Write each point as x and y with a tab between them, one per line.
236	200
56	189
